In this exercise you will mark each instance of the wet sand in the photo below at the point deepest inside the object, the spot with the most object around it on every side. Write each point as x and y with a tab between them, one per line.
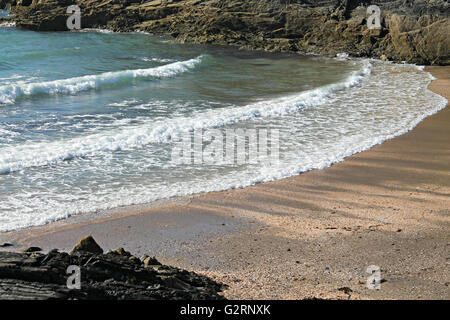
313	235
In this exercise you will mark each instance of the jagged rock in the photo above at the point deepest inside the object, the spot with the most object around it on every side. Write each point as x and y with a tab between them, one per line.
120	251
150	261
87	244
413	31
103	276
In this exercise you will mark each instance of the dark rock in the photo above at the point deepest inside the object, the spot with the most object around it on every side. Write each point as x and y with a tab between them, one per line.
5	3
103	276
150	261
6	245
87	244
24	3
346	290
33	249
121	252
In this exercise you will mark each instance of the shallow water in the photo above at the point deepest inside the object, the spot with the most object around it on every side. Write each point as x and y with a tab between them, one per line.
89	120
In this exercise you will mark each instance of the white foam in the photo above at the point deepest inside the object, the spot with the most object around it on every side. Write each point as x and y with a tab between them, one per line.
162	60
13	158
123	103
319	136
7	24
9	93
342	56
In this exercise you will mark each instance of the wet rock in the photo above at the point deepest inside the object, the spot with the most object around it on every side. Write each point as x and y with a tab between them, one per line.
6	245
109	276
120	252
87	244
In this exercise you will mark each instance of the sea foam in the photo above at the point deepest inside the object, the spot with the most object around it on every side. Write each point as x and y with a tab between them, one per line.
9	93
321	127
13	158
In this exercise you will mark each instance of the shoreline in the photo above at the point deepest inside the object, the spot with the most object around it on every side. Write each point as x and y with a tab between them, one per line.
302	226
139	207
326	28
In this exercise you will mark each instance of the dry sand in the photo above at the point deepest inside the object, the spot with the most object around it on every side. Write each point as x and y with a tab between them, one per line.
312	235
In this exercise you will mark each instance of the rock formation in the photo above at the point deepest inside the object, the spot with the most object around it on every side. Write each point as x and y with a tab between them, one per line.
413	31
116	275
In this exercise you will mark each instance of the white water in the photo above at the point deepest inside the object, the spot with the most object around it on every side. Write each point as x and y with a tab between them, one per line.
80	140
27	155
9	93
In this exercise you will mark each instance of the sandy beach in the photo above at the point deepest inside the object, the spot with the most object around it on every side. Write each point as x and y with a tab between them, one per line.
309	236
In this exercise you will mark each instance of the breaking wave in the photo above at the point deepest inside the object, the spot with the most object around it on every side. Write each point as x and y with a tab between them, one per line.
9	93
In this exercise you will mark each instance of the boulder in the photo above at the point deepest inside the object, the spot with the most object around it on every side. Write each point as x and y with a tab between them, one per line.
87	244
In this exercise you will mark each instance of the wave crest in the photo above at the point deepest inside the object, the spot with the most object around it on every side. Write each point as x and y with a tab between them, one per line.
15	158
9	93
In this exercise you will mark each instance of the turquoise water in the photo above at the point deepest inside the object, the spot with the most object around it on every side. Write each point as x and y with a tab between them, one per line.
88	120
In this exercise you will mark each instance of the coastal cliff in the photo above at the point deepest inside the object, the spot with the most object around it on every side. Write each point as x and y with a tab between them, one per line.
413	31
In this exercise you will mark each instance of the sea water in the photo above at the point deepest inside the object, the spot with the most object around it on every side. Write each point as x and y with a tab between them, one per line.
88	120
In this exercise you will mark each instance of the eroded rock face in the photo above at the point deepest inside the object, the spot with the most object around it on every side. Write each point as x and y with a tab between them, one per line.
4	3
413	31
116	275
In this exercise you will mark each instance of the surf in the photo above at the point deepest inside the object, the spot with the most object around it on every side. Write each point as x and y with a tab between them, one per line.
9	93
76	141
14	158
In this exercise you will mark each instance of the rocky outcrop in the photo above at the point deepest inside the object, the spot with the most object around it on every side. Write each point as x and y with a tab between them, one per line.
116	275
87	244
413	31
